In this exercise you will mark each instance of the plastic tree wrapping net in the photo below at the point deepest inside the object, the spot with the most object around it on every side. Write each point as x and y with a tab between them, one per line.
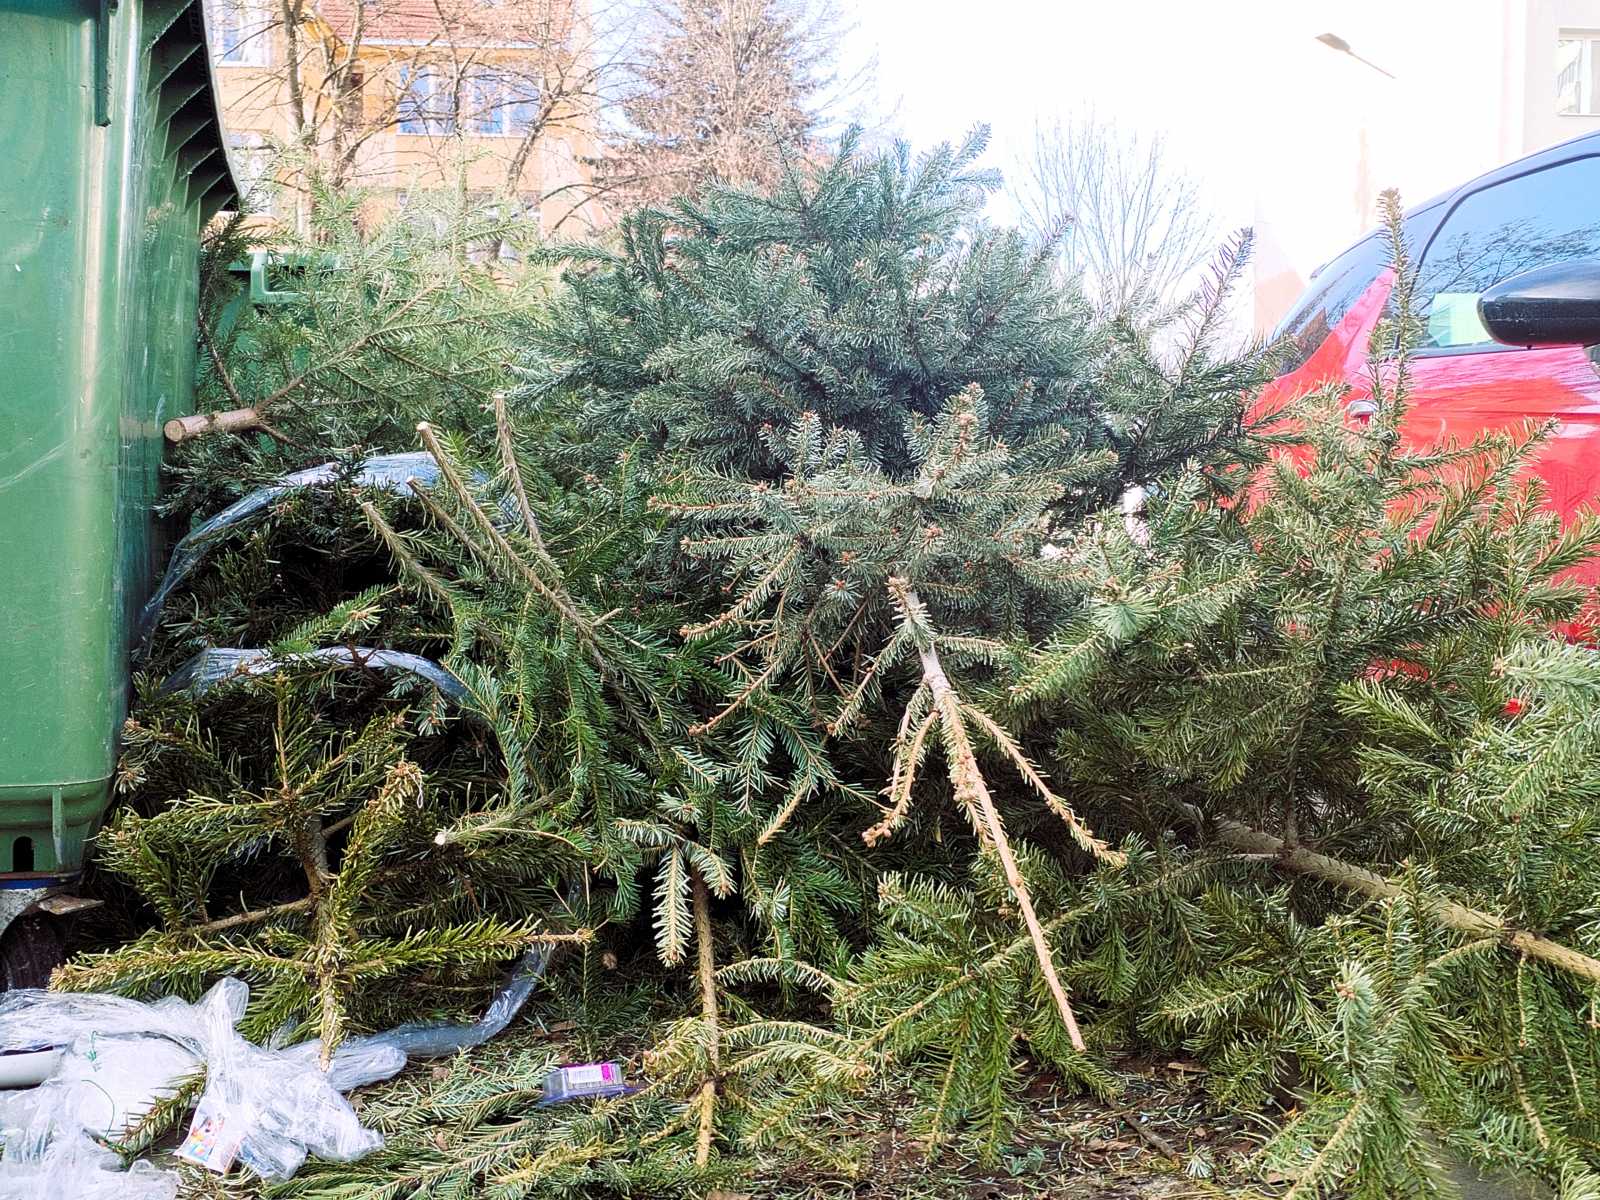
210	668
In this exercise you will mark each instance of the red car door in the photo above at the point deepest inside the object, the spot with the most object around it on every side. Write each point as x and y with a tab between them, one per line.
1463	382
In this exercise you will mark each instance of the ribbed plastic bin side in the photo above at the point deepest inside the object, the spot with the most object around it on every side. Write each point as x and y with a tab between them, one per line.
113	161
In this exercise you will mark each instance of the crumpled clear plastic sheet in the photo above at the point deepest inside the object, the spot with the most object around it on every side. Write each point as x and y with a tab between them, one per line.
271	1109
124	1056
356	1063
267	1108
74	1167
437	1040
222	665
101	1086
391	471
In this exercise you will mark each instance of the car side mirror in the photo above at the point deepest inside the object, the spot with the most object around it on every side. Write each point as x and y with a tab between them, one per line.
1558	305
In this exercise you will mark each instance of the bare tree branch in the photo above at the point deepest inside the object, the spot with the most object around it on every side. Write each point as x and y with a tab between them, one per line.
1126	222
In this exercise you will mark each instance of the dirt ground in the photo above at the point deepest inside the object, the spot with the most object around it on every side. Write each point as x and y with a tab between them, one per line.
1164	1142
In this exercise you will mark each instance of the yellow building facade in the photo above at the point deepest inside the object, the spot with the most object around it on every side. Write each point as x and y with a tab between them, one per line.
398	96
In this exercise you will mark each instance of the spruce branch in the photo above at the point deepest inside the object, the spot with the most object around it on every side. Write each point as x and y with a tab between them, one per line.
245	417
1080	832
430	584
909	752
251	916
551	593
513	470
750	689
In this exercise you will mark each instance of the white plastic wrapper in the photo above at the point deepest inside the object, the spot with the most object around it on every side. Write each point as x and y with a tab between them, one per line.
118	1062
114	1081
264	1109
269	1108
32	1017
75	1168
272	1107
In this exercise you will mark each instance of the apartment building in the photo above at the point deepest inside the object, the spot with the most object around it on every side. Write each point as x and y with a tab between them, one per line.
396	96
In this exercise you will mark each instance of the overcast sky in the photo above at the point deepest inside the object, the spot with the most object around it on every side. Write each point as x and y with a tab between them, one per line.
1240	88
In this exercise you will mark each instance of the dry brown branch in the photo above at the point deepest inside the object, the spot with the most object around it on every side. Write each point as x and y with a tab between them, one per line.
905	774
738	701
707	971
972	792
775	826
1008	746
746	603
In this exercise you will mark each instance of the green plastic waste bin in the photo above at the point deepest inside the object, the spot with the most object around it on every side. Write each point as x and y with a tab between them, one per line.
112	158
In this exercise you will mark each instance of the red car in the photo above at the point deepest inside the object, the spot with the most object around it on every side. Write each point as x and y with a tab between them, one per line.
1508	291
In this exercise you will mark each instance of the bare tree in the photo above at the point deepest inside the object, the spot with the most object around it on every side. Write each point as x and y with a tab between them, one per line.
724	90
1129	224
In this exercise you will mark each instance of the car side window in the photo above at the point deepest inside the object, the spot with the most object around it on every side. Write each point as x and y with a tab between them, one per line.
1534	220
1333	291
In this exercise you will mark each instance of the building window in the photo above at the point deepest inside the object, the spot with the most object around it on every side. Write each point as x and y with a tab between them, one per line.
241	32
253	160
493	102
1578	73
425	102
503	103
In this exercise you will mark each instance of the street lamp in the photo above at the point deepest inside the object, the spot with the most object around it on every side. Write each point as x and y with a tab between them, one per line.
1334	42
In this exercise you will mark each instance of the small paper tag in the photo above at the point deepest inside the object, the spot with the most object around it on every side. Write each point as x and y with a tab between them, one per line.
209	1144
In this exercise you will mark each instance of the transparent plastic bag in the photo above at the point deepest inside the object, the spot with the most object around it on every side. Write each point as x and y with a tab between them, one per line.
49	1151
269	1108
76	1168
391	471
121	1058
210	668
356	1063
265	1109
32	1017
436	1041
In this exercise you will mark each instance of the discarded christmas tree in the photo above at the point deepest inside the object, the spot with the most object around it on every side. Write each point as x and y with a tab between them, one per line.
286	829
896	489
352	811
801	627
1329	679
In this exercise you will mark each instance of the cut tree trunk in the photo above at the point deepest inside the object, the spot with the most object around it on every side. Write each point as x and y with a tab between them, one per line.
1462	919
233	420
